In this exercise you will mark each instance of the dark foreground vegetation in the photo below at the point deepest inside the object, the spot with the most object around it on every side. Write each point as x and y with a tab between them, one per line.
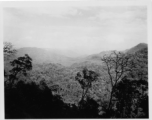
118	88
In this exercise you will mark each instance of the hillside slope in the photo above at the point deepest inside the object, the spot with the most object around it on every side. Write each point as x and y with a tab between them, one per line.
40	56
137	48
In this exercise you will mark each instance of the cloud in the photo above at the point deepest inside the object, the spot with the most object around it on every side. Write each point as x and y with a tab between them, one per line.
84	28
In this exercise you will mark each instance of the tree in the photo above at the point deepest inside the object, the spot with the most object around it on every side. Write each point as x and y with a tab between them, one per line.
130	95
8	50
131	92
20	65
89	109
117	65
85	79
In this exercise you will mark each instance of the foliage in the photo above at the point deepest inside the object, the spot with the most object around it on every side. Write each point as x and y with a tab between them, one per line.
123	93
132	92
55	91
32	101
130	95
8	50
20	66
85	79
88	108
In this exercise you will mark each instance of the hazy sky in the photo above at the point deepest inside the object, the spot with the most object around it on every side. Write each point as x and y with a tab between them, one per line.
87	29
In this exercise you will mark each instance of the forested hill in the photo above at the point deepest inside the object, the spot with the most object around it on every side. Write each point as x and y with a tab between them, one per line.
40	55
95	86
137	48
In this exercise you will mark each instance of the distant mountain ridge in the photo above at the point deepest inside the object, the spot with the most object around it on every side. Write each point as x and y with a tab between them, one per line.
40	55
130	51
137	48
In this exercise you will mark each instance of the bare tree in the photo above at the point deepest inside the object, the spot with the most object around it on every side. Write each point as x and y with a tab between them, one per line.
117	65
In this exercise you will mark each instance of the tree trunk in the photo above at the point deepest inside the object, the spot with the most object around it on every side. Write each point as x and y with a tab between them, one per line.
82	96
110	102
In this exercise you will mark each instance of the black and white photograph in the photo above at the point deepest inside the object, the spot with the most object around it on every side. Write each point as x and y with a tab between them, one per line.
80	59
